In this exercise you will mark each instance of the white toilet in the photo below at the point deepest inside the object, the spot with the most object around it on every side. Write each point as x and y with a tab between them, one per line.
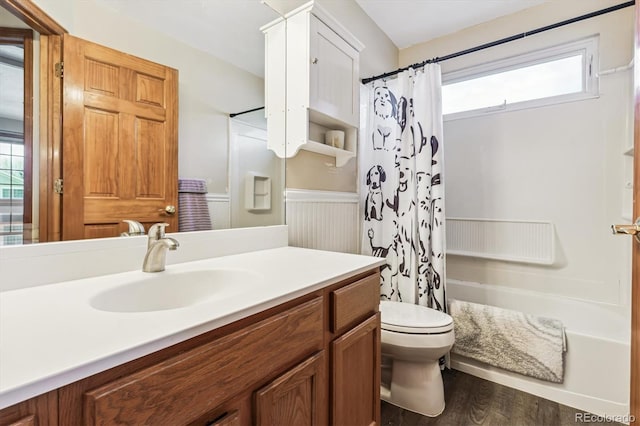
414	338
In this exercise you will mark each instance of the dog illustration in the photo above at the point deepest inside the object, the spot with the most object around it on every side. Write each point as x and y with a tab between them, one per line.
373	204
385	270
401	204
385	117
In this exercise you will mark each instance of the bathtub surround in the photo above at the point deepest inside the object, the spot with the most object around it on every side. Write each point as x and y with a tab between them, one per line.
562	164
526	344
402	189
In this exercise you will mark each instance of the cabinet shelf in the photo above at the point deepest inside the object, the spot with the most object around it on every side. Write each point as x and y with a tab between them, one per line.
342	156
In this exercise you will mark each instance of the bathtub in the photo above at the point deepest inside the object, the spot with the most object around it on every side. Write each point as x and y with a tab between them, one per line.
598	348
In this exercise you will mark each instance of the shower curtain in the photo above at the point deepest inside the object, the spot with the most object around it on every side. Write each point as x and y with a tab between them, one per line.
401	162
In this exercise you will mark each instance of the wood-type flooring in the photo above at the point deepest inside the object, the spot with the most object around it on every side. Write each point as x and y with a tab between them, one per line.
473	401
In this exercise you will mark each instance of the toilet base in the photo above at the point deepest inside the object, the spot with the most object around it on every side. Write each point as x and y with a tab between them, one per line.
416	387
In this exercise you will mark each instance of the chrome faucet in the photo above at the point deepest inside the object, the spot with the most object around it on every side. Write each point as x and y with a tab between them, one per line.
157	246
135	228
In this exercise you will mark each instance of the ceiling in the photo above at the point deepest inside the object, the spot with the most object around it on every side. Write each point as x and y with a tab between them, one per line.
229	29
409	22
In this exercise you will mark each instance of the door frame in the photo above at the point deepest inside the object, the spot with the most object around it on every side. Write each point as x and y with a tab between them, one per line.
634	398
50	125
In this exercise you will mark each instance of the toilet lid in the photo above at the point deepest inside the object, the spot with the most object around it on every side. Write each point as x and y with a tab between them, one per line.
410	318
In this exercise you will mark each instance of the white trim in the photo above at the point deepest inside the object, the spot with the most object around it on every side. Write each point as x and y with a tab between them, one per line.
217	197
311	196
587	47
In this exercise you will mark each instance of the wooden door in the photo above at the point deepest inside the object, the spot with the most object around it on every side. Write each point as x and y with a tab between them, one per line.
120	141
635	281
296	397
356	375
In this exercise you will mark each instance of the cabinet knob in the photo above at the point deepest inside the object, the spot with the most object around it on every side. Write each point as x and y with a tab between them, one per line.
314	61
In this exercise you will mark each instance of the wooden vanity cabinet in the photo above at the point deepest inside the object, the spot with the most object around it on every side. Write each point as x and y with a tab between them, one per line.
312	361
354	321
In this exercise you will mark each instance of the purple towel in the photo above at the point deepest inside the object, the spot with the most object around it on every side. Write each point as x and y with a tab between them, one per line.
193	208
195	186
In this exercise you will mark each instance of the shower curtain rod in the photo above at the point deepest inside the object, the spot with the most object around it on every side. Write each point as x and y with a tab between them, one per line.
503	40
245	112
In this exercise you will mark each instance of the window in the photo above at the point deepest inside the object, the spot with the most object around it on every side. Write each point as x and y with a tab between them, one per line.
558	74
16	96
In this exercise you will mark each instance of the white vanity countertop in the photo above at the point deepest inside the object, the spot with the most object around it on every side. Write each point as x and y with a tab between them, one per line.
51	336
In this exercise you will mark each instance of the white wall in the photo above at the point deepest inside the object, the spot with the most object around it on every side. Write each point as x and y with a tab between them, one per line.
249	154
209	88
560	163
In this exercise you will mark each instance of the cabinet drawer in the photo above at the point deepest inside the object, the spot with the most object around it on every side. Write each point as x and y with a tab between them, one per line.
193	383
354	302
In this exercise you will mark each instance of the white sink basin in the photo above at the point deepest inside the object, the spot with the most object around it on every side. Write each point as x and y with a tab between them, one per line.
172	290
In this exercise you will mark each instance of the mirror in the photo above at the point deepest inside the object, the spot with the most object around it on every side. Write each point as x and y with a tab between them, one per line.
225	153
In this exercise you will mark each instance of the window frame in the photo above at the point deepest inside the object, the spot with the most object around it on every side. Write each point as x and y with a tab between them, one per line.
587	47
24	37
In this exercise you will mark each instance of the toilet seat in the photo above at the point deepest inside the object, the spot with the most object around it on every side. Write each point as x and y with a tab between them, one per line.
413	319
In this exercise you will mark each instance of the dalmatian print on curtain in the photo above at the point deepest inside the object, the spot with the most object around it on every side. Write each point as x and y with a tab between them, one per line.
401	165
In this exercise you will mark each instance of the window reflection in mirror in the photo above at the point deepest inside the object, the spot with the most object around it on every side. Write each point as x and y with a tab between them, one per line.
15	137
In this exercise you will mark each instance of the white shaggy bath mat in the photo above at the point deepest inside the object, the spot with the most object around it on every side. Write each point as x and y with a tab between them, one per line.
512	340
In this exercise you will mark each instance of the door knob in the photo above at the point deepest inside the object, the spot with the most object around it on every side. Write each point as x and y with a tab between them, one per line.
628	229
168	210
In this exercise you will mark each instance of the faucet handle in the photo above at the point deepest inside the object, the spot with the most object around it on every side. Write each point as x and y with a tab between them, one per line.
135	228
156	231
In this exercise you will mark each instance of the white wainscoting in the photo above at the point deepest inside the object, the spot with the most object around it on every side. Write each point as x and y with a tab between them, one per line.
219	210
510	240
323	220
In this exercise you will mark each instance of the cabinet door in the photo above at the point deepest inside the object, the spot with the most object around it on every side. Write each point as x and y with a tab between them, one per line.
38	411
185	387
333	75
356	375
228	419
295	398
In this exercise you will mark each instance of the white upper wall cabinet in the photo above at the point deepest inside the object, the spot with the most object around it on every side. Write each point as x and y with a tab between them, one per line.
333	76
311	83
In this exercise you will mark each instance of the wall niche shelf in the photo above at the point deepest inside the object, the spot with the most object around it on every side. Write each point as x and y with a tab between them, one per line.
342	156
